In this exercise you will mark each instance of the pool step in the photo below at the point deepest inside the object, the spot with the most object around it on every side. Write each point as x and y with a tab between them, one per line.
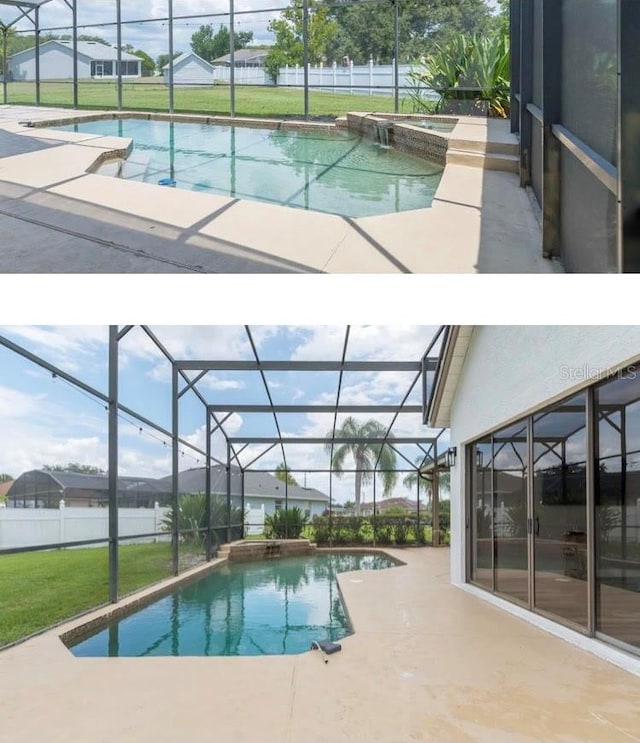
487	160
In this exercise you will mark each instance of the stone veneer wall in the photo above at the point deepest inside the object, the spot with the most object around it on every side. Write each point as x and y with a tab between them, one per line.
265	549
403	136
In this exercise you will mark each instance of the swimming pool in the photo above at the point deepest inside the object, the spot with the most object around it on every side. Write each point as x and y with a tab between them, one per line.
277	607
338	173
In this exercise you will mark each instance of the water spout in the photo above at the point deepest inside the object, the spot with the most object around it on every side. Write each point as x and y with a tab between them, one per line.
383	128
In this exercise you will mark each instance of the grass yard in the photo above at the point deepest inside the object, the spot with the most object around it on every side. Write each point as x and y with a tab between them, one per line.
39	589
214	99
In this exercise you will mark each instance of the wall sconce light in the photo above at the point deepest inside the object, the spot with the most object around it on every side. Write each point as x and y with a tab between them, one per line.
451	456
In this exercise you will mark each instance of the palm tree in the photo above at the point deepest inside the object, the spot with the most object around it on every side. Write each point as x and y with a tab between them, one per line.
365	454
283	474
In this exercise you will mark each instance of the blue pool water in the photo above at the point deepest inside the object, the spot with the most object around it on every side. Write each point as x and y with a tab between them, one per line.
276	607
338	173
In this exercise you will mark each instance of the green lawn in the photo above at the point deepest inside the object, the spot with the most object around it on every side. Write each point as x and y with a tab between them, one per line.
154	96
39	589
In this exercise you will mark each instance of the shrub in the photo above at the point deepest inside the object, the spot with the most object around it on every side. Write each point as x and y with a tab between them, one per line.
192	519
467	68
285	524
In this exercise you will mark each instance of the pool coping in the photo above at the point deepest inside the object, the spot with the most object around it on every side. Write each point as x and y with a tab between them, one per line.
443	238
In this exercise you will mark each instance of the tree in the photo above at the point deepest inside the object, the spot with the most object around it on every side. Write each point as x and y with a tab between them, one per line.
80	469
211	46
365	454
4	477
366	31
163	60
283	474
148	65
288	48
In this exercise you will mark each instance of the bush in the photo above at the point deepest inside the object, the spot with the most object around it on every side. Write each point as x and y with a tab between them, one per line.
357	530
473	68
285	524
192	519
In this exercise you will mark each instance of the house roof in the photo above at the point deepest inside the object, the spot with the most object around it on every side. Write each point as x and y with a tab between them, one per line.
182	59
243	55
255	484
77	481
450	364
92	50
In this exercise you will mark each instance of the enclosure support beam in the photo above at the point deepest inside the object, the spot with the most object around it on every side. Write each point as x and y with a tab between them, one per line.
435	500
207	487
119	50
113	463
74	13
396	55
37	31
5	65
517	106
526	91
171	65
228	492
305	54
552	114
374	518
629	137
174	468
232	58
242	504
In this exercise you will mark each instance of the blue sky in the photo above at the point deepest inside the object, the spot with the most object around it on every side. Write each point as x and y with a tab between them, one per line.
47	421
152	37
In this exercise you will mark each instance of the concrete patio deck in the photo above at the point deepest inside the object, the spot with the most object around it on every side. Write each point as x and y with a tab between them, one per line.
427	662
58	217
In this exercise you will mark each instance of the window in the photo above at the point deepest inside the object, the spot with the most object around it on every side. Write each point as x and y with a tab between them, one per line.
278	505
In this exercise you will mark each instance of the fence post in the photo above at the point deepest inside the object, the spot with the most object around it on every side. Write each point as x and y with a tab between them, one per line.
156	519
296	79
335	74
370	75
61	521
351	76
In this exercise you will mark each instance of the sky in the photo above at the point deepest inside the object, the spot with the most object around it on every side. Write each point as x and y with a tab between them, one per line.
152	37
47	421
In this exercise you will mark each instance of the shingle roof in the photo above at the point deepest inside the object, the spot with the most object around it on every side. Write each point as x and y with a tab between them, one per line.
243	55
255	483
92	49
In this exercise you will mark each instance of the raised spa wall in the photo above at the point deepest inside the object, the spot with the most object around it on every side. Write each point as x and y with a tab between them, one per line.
264	549
402	135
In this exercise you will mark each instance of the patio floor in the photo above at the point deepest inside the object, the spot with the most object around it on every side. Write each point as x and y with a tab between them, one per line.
427	662
57	217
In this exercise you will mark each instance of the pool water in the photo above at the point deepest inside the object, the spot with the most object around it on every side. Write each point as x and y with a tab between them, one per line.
436	126
276	607
338	173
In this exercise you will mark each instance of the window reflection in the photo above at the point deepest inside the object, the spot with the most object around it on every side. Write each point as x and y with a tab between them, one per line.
559	511
510	461
617	501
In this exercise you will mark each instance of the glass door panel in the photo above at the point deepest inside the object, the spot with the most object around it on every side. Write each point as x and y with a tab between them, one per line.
481	514
617	501
559	510
510	465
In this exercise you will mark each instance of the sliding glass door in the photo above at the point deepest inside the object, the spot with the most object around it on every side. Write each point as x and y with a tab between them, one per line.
560	510
481	514
510	467
617	503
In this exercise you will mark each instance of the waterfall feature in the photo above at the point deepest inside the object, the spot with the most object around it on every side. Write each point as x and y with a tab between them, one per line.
383	129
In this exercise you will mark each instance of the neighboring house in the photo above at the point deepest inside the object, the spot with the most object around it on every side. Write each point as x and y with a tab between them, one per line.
261	490
264	492
44	489
95	61
4	489
189	69
243	58
545	490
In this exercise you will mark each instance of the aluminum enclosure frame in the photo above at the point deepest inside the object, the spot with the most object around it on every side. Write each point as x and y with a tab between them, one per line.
182	383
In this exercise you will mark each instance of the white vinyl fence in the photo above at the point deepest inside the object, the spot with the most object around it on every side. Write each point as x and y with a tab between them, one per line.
367	79
254	520
31	527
